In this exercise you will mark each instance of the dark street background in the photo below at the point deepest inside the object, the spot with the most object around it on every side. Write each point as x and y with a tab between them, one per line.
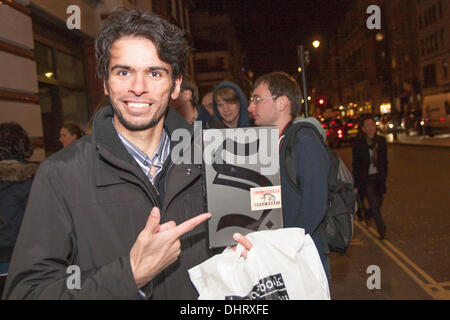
415	210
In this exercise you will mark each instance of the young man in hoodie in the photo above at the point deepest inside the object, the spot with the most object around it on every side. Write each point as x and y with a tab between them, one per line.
276	100
230	105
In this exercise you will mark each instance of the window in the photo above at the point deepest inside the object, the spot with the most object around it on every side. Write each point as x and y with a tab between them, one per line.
445	68
441	14
429	75
61	79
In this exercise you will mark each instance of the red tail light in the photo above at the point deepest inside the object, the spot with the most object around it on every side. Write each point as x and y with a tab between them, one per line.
441	119
350	124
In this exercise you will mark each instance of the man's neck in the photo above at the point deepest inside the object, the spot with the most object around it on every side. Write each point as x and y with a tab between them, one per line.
188	112
146	140
282	123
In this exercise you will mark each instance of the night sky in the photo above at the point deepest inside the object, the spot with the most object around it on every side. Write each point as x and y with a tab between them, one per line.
270	30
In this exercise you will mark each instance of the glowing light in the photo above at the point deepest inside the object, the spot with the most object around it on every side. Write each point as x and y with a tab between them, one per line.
49	74
385	108
316	43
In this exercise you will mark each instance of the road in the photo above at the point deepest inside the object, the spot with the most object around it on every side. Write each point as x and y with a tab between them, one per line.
414	259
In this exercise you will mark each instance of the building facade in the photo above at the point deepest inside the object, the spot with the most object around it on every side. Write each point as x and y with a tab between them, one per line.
217	53
433	21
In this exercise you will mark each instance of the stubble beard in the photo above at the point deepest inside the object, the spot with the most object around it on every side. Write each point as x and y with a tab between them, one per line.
139	127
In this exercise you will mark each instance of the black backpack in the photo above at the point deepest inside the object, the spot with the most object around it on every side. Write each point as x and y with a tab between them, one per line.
337	226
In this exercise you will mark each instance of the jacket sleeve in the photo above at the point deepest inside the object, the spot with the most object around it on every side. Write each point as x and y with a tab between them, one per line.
313	165
46	247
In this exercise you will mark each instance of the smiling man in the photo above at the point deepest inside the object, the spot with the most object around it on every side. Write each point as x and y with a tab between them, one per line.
113	203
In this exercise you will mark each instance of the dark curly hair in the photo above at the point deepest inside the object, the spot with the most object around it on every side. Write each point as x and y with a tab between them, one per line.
73	128
168	39
14	142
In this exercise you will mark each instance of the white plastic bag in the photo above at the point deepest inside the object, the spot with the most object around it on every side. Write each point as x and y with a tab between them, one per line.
282	264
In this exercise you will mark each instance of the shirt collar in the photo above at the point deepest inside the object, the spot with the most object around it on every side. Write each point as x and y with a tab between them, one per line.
144	160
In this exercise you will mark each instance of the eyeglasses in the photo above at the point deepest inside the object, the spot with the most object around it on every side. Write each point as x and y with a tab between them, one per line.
256	100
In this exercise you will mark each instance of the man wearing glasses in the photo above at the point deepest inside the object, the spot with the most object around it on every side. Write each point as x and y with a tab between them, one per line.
276	101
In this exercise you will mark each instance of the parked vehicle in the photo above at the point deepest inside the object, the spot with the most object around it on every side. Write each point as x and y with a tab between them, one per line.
436	113
336	132
351	129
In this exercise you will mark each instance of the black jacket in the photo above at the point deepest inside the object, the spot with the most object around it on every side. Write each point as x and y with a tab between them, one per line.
361	162
87	206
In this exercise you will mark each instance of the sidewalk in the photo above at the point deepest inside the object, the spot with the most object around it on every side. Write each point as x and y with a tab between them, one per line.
439	140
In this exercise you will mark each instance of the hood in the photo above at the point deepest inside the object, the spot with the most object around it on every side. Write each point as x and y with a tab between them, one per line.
15	171
316	123
244	120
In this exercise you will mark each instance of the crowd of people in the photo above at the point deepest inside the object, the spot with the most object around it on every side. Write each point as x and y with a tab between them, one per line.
114	203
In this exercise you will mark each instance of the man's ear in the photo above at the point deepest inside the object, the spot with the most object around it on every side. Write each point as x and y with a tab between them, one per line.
105	88
283	104
176	88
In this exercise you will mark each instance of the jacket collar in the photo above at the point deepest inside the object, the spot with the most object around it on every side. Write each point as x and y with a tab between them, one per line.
111	149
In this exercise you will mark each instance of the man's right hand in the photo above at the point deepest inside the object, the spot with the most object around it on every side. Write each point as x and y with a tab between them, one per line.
158	246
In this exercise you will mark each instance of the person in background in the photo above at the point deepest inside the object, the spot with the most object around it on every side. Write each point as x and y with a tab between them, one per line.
69	133
230	105
207	103
370	165
187	103
275	101
16	177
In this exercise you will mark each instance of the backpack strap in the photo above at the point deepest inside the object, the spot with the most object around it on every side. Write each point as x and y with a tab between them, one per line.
288	155
291	173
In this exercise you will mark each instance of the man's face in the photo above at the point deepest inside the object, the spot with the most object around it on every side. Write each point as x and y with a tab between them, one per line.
369	127
228	111
139	84
265	110
208	103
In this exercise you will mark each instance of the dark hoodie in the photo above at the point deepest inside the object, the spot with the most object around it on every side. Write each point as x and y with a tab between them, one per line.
244	120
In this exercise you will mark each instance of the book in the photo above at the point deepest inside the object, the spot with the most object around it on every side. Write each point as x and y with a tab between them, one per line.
242	182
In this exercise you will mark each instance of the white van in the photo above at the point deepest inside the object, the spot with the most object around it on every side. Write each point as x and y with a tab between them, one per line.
436	111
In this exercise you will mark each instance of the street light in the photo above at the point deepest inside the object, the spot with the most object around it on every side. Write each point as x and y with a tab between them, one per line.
303	57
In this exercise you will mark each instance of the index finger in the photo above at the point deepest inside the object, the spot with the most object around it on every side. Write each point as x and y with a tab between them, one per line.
190	224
